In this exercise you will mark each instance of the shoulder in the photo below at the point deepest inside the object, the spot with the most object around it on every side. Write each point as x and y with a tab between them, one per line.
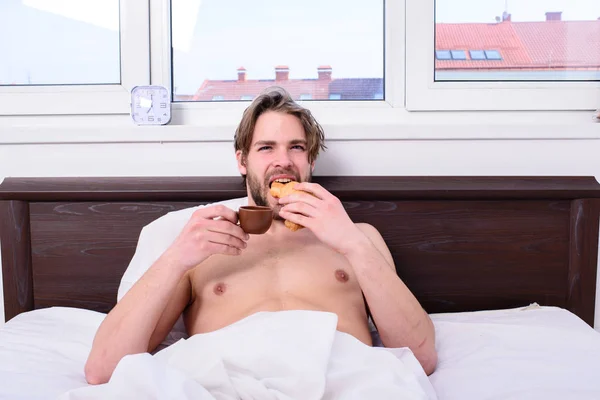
375	237
157	236
369	230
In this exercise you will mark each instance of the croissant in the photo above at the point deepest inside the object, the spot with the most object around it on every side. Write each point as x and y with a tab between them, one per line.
279	190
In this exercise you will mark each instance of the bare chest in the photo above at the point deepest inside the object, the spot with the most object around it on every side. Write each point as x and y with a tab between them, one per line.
274	268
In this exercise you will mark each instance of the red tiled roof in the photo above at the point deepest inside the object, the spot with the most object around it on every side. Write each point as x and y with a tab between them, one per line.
501	37
523	45
561	43
234	90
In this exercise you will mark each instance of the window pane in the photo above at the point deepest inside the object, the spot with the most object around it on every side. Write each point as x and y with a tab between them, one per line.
477	54
443	55
458	55
59	42
525	40
318	50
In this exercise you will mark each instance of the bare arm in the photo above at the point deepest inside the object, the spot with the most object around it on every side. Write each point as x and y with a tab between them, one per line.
178	303
131	324
400	319
144	316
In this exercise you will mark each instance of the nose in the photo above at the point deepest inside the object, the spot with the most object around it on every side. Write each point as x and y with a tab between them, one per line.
282	159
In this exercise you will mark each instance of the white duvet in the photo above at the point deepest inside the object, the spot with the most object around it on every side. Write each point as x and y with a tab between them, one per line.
269	355
531	353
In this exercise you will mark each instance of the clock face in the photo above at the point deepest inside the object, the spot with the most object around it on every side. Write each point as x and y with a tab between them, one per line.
150	105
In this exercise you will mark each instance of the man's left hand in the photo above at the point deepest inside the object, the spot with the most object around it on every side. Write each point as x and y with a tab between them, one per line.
323	214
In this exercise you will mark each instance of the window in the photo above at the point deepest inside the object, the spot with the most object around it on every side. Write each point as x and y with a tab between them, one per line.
493	55
477	54
531	41
53	43
72	56
503	55
319	45
357	59
443	55
458	55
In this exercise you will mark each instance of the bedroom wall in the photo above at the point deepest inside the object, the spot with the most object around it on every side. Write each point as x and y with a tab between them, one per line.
344	157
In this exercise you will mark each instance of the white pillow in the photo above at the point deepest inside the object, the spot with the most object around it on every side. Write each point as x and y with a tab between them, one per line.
154	239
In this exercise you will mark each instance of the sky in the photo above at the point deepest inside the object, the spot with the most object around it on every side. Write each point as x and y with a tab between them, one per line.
77	40
59	45
453	11
261	34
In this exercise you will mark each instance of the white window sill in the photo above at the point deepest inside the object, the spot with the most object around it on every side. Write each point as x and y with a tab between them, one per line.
362	121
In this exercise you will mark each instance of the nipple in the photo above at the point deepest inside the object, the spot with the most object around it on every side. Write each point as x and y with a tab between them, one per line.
219	288
341	275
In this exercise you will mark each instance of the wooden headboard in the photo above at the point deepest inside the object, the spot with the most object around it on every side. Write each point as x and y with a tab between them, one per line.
459	243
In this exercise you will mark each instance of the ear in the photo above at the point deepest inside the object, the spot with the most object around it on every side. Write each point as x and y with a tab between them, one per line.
312	167
241	162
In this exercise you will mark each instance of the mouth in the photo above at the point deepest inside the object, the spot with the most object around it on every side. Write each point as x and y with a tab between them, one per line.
281	179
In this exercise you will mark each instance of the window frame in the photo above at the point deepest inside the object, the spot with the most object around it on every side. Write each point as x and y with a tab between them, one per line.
388	119
423	93
223	112
134	39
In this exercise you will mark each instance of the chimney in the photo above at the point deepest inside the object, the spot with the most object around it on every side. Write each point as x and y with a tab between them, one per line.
282	73
506	17
554	16
241	74
324	72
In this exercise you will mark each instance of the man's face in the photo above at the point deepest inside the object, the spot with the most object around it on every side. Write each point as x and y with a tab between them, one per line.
278	152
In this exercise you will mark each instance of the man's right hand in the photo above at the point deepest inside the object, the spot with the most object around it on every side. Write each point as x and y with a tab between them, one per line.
211	230
150	308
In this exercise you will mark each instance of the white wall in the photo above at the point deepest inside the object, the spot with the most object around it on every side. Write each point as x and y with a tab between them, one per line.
385	157
344	157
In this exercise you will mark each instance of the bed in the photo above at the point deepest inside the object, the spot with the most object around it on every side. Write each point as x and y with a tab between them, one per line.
505	266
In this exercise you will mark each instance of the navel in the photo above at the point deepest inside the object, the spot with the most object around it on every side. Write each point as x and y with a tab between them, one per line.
341	275
220	288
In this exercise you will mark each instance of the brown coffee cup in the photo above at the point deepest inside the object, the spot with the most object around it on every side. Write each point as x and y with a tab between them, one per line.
255	220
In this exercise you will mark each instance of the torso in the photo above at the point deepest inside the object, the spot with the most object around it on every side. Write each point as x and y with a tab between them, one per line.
280	270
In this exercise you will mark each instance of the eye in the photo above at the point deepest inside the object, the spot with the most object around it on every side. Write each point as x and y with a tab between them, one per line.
264	148
298	147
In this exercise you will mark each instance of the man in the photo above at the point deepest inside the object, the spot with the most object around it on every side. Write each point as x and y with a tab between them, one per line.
216	274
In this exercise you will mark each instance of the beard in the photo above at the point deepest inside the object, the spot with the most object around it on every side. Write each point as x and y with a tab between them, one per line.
259	191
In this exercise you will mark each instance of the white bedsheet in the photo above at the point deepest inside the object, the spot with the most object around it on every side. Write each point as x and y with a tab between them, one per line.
282	355
42	352
534	353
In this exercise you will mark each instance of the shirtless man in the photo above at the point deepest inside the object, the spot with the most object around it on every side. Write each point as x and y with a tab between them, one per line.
216	274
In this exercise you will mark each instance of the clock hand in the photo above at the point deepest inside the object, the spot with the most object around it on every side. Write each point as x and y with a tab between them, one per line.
151	103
